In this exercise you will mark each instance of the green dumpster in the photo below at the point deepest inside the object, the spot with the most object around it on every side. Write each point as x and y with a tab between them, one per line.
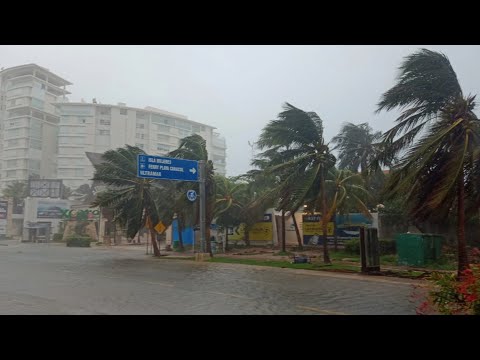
418	249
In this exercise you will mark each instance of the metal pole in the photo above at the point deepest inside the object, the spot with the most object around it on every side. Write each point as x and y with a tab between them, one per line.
201	169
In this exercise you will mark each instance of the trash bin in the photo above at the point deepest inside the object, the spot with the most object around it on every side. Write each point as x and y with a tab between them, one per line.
418	249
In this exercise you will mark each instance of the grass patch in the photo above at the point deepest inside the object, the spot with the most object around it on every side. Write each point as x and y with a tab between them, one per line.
388	260
339	255
411	274
286	264
284	253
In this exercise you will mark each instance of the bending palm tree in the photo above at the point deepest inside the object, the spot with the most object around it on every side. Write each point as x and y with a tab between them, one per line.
229	202
132	199
194	147
358	146
439	123
297	137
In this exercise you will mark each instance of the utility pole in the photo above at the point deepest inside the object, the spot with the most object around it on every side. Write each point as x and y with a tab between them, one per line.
201	170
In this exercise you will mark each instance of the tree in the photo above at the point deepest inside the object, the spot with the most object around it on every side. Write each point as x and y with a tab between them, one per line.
67	192
194	147
440	133
230	200
18	190
297	137
347	192
134	200
85	193
358	146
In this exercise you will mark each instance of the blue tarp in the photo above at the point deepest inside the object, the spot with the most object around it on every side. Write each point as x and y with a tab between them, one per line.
187	234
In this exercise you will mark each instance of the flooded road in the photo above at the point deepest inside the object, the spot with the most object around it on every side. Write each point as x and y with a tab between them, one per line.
54	279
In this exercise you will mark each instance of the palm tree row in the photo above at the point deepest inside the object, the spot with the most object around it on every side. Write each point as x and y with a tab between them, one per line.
432	153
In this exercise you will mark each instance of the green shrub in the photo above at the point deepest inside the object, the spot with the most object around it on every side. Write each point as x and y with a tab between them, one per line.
78	241
352	246
387	247
57	237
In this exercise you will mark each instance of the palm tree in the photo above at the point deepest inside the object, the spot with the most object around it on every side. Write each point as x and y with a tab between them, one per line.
133	200
347	191
85	193
229	202
358	146
194	147
443	135
67	192
297	137
18	190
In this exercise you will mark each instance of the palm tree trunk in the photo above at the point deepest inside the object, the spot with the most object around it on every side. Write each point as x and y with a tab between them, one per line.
246	235
207	239
364	171
226	239
283	231
297	231
180	230
153	238
335	240
326	257
461	241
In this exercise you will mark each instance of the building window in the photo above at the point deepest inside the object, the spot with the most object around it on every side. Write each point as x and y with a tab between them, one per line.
104	110
11	163
11	173
140	136
35	144
141	115
12	133
12	143
163	128
163	138
140	126
196	128
183	133
104	122
162	147
103	132
123	111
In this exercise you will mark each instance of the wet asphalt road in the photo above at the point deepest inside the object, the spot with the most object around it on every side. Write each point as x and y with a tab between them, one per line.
53	279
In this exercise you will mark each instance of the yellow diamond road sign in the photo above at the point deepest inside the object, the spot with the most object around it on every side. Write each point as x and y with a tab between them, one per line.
160	227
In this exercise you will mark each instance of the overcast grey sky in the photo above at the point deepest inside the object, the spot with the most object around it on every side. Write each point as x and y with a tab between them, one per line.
238	89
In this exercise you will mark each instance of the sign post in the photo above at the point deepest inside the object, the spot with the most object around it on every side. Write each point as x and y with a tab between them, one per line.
164	168
202	204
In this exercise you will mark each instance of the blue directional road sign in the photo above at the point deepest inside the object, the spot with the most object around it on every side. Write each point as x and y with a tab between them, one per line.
191	195
158	167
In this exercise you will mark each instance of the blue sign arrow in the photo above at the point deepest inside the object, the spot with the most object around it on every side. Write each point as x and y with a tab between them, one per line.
164	168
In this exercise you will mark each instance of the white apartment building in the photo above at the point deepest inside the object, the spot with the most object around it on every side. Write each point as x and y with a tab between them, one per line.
94	127
29	122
